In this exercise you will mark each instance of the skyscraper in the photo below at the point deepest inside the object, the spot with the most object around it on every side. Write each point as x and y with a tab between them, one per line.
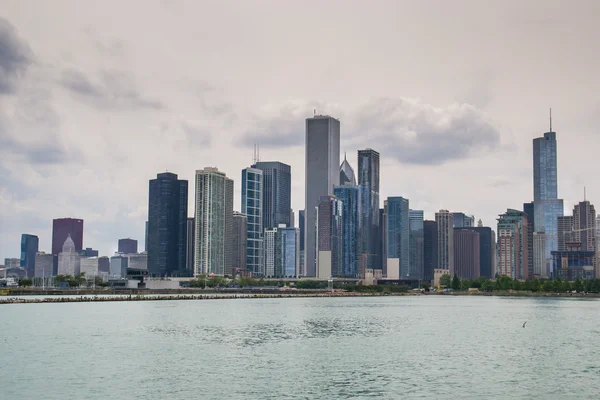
529	209
252	207
430	249
61	229
329	234
240	240
322	155
417	245
282	247
539	251
445	221
351	228
213	217
467	256
167	225
190	231
547	206
68	259
29	248
368	180
512	244
565	231
462	220
584	225
382	242
276	193
347	176
398	238
487	255
43	265
127	246
302	227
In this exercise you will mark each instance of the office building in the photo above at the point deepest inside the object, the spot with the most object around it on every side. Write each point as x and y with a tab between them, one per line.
270	252
282	252
382	242
12	263
462	220
68	259
167	226
512	244
214	222
584	225
127	246
368	180
529	209
239	240
118	266
43	265
137	260
292	219
189	246
276	194
565	231
29	248
430	245
252	192
301	226
574	262
487	255
89	267
467	256
398	238
329	234
416	264
61	228
347	176
445	229
351	228
322	159
146	238
540	269
103	265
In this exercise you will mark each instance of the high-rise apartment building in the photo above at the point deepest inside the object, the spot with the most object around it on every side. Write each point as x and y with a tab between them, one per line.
512	244
167	225
213	217
398	237
529	209
368	180
127	246
584	225
430	245
445	229
276	193
252	207
416	264
351	228
282	252
29	248
322	159
329	235
565	231
190	231
487	255
467	253
240	240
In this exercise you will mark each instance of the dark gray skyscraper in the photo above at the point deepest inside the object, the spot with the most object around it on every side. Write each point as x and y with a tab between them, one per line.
368	180
167	225
528	208
189	247
351	228
127	246
322	157
276	193
417	251
29	247
430	248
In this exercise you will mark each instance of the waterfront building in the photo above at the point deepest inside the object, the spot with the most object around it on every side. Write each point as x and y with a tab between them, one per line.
43	265
445	224
322	158
512	244
137	260
368	180
214	222
329	234
351	229
416	264
276	197
68	259
529	209
467	253
430	245
190	231
540	269
29	248
167	226
239	240
252	192
127	246
398	238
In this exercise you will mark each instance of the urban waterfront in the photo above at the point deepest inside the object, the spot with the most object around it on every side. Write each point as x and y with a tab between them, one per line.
304	348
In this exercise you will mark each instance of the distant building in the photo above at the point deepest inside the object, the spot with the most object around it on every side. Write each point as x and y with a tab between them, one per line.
240	240
128	246
417	245
292	219
68	259
88	252
540	269
512	244
565	231
487	254
368	180
12	263
189	247
43	265
347	176
118	266
29	248
467	258
282	252
351	227
322	160
252	192
214	222
574	263
430	249
301	221
398	238
529	209
329	234
381	243
89	266
61	228
445	221
167	225
462	220
584	225
103	265
137	260
276	194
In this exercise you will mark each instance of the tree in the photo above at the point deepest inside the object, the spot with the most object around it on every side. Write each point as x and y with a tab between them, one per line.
25	282
536	285
516	285
578	285
456	282
465	284
548	286
445	280
504	283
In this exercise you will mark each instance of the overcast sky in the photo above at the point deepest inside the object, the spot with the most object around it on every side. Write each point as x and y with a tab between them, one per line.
97	97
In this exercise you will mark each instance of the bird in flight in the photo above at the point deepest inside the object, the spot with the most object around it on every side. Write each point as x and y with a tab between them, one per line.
524	324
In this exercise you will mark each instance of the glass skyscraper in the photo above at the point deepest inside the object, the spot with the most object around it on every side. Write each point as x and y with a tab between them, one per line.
398	238
417	249
276	193
167	225
29	247
351	228
368	180
252	193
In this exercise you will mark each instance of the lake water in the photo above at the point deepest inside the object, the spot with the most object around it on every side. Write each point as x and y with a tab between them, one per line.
303	348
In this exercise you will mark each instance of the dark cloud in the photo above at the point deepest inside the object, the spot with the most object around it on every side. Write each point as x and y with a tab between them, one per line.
15	57
416	133
113	89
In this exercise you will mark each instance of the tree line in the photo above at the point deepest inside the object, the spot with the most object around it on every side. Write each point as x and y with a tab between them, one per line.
505	283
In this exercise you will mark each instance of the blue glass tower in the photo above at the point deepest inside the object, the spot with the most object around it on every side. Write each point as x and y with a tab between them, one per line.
351	228
398	237
277	193
252	190
29	246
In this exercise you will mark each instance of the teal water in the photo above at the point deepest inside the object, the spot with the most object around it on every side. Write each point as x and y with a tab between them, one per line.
303	348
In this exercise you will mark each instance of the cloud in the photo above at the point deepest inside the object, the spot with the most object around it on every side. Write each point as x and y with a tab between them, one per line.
111	90
417	133
15	57
196	135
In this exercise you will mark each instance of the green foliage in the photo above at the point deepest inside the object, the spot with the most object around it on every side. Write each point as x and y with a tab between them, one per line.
445	280
456	282
377	288
25	282
578	285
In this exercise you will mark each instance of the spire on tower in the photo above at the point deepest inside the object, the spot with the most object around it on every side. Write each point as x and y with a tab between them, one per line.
550	119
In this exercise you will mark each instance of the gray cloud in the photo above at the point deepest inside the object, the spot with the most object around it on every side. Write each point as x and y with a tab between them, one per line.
113	90
15	57
196	135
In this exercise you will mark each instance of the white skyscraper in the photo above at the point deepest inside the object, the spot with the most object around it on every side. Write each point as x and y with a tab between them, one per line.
68	259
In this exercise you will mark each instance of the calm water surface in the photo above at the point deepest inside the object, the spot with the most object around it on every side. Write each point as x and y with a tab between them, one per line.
313	348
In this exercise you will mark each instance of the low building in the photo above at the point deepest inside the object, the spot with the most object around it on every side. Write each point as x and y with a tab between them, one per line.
89	266
437	275
44	263
137	260
573	263
118	266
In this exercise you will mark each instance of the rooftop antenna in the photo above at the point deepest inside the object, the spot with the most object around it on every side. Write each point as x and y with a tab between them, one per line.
258	152
254	154
315	112
584	198
550	119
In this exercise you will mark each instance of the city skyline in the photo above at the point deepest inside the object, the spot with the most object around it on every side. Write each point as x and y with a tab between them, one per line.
180	122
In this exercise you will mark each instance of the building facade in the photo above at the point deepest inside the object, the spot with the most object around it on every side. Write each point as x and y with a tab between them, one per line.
467	256
416	264
29	248
167	226
302	227
430	244
61	229
329	227
487	255
398	238
89	266
190	233
43	265
574	263
347	176
252	192
462	220
565	231
213	218
529	209
368	180
127	246
118	266
512	244
584	225
276	193
445	229
288	239
322	160
540	268
240	240
350	197
68	259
